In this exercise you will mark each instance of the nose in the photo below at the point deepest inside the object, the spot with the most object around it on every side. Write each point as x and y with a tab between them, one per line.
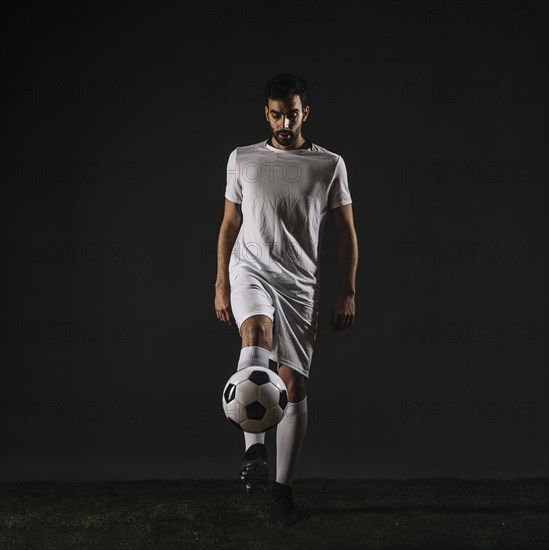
286	123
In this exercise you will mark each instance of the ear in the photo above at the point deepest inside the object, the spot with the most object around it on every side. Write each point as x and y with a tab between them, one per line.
305	113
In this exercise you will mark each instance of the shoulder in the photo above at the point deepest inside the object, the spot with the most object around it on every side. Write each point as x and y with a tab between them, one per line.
330	158
326	152
243	149
330	161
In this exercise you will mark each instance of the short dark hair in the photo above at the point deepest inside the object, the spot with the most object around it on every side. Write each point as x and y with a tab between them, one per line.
284	85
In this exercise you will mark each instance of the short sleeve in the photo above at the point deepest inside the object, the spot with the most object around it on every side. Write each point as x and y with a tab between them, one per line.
339	193
233	190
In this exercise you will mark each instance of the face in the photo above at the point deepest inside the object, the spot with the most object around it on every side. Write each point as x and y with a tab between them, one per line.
286	118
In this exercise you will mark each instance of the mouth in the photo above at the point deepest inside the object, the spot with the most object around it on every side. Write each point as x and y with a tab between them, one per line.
284	135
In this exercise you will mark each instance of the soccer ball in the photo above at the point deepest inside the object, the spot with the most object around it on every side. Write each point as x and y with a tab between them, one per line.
254	399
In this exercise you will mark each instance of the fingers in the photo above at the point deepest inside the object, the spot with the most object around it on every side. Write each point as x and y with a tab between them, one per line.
341	321
226	316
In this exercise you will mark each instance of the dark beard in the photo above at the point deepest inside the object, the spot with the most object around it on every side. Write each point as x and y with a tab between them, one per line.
306	143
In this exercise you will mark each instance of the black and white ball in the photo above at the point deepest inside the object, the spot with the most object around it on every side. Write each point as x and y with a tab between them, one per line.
254	399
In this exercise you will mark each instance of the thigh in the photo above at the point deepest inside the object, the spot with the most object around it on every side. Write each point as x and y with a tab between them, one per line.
249	298
294	333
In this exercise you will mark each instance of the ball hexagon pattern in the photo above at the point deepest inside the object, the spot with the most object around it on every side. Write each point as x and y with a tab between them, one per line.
255	399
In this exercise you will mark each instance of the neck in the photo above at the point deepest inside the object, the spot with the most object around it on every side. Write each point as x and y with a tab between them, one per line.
305	144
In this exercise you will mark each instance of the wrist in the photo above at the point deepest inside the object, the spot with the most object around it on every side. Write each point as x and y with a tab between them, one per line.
347	292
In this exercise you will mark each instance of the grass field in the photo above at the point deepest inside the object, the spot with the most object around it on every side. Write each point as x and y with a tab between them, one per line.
336	514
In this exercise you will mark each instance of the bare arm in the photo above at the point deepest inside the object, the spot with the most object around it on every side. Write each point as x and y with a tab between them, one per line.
347	248
343	312
230	226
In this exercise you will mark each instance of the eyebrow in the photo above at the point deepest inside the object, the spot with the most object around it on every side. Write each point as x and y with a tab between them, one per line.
277	113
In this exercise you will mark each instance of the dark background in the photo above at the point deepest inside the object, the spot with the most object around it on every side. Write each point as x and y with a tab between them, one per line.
117	124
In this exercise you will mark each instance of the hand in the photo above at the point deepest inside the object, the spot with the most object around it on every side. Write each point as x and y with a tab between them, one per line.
223	304
343	312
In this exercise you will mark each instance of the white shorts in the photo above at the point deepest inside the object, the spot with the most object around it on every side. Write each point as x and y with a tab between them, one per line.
294	323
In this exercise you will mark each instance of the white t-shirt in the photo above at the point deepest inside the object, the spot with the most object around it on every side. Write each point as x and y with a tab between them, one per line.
284	196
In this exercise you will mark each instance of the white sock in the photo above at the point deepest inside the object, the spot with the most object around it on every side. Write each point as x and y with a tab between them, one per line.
253	355
289	437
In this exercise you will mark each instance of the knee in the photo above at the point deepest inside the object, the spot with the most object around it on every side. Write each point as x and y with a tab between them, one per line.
297	391
257	332
296	383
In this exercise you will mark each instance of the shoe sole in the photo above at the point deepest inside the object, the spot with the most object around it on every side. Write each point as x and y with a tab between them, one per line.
254	476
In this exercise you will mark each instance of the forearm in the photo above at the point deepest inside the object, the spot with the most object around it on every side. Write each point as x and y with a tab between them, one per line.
225	244
348	261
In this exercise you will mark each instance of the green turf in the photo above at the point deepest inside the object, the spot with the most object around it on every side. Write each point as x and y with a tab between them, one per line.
336	514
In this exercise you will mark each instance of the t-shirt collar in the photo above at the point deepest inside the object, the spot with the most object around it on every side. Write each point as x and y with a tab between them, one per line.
270	147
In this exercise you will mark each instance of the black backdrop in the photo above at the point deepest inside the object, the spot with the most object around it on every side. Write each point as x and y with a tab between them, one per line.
117	123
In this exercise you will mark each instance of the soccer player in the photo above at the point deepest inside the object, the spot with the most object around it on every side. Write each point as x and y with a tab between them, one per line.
268	275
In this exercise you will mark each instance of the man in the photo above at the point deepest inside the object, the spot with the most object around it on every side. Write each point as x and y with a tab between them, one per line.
277	195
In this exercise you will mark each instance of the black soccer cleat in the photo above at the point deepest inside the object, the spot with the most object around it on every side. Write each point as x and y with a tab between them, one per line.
254	469
283	509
